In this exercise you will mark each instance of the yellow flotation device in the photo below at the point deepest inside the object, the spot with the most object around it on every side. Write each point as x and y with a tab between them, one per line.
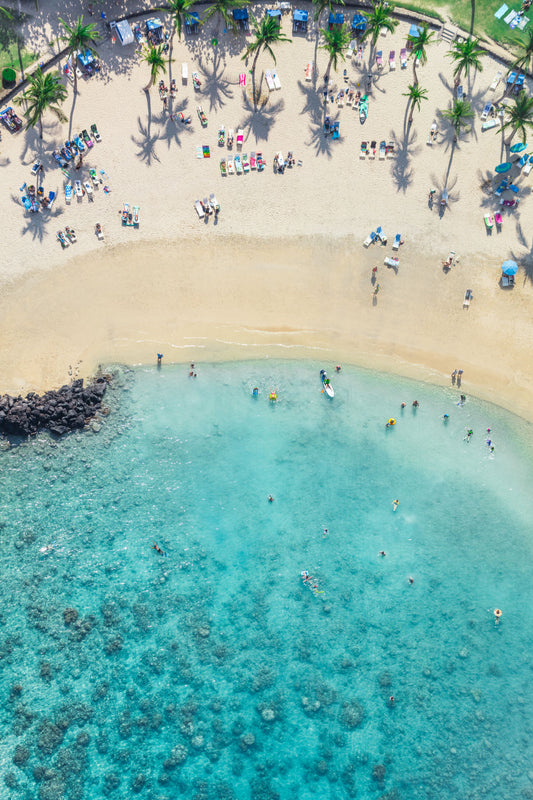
272	396
392	421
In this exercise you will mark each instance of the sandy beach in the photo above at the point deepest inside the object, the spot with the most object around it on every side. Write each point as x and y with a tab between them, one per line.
283	273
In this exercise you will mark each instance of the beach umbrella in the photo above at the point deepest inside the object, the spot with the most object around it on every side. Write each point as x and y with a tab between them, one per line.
518	147
503	167
509	267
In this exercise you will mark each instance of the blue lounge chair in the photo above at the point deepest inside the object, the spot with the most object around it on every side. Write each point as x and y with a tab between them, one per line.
26	203
381	235
68	192
51	198
79	144
370	239
502	186
335	131
514	188
397	242
511	77
519	84
523	160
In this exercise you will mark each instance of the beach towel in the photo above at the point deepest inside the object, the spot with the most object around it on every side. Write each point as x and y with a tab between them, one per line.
205	151
522	24
501	11
514	22
242	79
510	16
199	152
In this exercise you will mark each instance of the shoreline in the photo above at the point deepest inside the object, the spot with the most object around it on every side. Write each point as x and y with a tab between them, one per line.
244	299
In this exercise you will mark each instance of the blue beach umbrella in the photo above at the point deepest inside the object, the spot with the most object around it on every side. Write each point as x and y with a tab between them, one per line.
518	147
503	167
509	267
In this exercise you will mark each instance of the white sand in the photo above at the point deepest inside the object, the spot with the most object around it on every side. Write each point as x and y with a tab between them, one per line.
283	273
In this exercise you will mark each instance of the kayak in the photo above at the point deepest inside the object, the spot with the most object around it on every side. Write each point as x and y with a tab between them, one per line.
363	109
328	388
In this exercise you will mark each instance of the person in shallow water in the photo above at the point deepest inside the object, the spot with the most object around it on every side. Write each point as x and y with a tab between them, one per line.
156	547
395	504
270	498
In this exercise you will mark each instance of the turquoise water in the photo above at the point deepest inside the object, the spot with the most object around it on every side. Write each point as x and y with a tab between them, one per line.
214	671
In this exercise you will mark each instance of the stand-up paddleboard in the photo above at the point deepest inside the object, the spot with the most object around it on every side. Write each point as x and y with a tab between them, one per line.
328	388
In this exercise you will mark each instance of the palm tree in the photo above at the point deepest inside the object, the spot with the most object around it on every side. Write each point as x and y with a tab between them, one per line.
44	92
524	60
224	8
180	12
323	5
378	20
80	38
153	55
267	32
458	116
415	94
467	55
418	47
520	116
336	41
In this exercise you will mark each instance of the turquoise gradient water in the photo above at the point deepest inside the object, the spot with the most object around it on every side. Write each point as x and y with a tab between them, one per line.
214	671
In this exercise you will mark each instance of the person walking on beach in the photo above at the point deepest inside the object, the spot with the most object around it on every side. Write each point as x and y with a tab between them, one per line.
159	359
454	376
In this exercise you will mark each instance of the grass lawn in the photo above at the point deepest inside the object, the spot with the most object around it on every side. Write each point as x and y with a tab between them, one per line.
9	57
485	22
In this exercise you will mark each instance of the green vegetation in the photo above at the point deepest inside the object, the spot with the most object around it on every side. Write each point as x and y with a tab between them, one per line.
458	115
44	92
17	60
79	38
322	5
467	55
379	19
419	43
180	13
224	10
520	117
336	41
154	56
415	94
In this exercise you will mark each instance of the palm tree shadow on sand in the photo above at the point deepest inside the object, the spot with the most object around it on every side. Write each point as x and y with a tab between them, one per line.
524	260
259	120
319	140
216	88
441	185
146	143
36	224
405	149
314	102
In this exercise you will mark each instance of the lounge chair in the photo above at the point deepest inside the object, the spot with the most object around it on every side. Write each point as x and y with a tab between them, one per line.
71	234
381	235
94	177
276	80
94	131
221	136
432	135
261	163
509	203
523	161
519	85
79	144
364	149
184	72
340	99
490	123
253	161
486	111
78	189
309	70
240	137
201	116
229	140
136	216
459	92
238	165
196	81
245	162
99	232
507	280
36	167
269	81
498	219
60	160
468	297
231	166
68	193
89	189
86	138
379	59
502	186
528	167
489	222
392	261
370	239
335	130
206	206
392	60
199	209
223	169
397	242
514	188
373	145
51	199
61	238
403	58
497	78
213	203
511	79
382	150
390	149
327	126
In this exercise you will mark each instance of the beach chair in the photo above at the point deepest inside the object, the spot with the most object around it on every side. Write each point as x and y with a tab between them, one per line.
340	99
490	123
392	60
528	167
96	135
467	298
498	219
245	163
136	216
495	81
511	78
502	186
335	130
68	193
99	232
231	166
382	150
60	160
489	222
94	177
397	242
509	203
379	59
487	108
519	85
238	165
221	136
79	144
370	239
199	209
196	80
269	81
61	238
86	138
392	261
184	72
276	80
78	189
373	145
390	150
459	92
514	188
261	163
242	79
223	170
381	235
240	137
36	167
51	199
213	203
432	134
501	11
403	58
364	150
309	70
253	161
89	189
201	116
70	233
523	161
229	140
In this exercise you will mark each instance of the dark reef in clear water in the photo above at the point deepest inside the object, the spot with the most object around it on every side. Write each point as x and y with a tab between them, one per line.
59	412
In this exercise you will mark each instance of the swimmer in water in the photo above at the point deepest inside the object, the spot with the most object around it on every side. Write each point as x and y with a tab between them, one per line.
382	553
469	435
325	533
403	405
156	547
395	504
445	417
270	498
411	580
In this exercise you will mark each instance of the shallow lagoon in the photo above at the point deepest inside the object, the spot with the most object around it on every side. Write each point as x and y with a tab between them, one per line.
214	672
